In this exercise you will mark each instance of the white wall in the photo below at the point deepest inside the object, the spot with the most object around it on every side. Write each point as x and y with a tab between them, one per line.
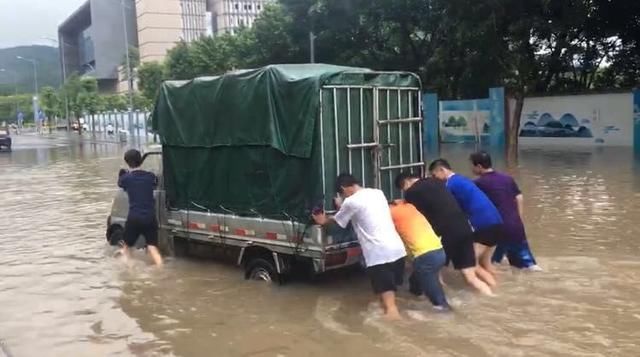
607	117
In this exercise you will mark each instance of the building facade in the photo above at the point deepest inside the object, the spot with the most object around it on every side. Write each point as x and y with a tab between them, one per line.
229	15
162	23
92	39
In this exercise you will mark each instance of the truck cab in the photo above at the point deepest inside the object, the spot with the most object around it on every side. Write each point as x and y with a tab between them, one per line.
267	250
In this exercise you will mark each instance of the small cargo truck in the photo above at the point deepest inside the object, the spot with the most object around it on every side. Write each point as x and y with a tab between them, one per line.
247	156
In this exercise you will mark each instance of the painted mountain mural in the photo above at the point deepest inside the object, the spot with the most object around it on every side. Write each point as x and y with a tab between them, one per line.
548	126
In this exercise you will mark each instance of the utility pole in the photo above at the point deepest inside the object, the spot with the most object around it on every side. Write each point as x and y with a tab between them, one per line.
312	47
61	45
35	80
129	77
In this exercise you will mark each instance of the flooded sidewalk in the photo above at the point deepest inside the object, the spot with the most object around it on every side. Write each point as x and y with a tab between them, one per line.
63	294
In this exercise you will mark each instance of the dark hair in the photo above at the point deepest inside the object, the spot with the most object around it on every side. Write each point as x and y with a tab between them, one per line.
133	158
439	163
345	180
481	158
402	177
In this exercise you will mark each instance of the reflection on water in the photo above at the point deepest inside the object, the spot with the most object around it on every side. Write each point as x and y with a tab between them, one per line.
61	293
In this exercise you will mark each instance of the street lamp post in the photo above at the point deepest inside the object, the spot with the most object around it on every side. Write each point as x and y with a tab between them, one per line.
129	79
312	47
35	81
61	45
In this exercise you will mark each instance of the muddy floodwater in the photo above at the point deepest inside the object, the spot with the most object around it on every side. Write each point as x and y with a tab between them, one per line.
62	293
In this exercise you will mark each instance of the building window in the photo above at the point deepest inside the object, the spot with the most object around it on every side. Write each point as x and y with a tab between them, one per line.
240	22
258	7
237	6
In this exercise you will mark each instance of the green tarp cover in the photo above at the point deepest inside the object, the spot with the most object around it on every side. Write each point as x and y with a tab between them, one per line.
247	142
273	106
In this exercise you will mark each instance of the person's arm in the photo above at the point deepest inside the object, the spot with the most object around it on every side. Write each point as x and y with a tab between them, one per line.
519	197
342	217
155	181
520	202
122	178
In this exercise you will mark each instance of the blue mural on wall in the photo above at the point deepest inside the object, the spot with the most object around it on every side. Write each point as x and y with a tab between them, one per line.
636	121
465	120
547	126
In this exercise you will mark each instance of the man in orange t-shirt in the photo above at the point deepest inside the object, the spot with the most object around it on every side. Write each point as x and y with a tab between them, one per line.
424	245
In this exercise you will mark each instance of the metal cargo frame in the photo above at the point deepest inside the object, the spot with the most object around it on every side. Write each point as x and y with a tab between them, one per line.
378	135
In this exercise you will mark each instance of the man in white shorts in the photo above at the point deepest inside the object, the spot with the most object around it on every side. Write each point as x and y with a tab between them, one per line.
368	211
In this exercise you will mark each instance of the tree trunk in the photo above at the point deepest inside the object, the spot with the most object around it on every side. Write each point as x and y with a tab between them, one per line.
515	103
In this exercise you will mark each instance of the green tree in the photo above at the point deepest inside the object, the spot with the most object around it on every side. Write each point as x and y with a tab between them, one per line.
180	63
134	62
141	102
50	103
150	77
10	105
270	39
115	102
82	96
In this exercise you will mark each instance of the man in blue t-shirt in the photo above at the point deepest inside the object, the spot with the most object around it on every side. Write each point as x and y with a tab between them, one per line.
483	215
139	186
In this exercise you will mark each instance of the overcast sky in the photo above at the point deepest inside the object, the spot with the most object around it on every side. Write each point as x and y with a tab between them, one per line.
25	22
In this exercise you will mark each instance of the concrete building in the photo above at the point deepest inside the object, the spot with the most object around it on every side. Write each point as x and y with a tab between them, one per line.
92	38
229	15
162	23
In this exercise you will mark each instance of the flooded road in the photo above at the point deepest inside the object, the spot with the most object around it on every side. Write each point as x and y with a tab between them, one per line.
62	294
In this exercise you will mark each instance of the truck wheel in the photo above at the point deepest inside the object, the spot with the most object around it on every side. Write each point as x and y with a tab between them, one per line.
116	235
262	270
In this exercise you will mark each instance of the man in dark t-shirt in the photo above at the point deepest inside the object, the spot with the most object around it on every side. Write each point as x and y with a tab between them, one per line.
448	220
503	191
141	220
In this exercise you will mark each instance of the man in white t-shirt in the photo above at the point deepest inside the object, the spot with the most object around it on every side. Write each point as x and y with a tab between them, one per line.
368	211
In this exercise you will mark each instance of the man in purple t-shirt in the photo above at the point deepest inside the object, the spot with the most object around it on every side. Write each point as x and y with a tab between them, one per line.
503	191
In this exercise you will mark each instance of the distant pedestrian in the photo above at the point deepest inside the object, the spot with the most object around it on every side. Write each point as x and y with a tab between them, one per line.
483	216
368	211
40	121
440	208
505	194
139	186
20	121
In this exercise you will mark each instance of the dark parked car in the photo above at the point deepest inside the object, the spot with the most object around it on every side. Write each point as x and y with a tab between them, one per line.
5	139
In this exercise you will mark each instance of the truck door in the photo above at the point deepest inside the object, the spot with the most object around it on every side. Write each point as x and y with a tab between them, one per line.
371	132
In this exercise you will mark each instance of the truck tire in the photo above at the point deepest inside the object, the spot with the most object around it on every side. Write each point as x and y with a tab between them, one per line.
262	270
115	236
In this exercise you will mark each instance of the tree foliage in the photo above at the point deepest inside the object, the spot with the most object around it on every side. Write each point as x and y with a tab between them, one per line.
50	102
150	77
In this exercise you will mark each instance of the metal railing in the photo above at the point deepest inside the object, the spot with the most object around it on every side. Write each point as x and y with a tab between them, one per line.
117	127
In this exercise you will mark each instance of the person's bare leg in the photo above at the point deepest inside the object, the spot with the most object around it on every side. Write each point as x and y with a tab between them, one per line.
388	299
124	252
441	278
486	276
155	254
482	273
486	263
472	279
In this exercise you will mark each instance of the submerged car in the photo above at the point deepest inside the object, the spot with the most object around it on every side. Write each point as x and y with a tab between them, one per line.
5	139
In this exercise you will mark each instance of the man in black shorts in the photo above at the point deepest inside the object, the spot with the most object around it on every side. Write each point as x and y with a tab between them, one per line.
139	186
432	199
368	211
482	214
